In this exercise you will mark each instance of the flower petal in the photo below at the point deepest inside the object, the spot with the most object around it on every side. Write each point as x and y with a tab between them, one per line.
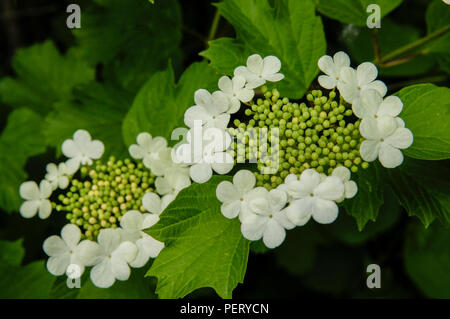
57	265
271	65
366	72
326	65
71	235
102	275
227	192
109	239
45	209
88	252
350	189
70	149
299	211
391	106
254	227
29	208
95	149
54	246
401	138
200	173
245	95
255	63
324	211
152	203
331	188
341	59
342	172
327	82
274	234
231	209
225	85
29	190
369	150
390	156
132	220
377	85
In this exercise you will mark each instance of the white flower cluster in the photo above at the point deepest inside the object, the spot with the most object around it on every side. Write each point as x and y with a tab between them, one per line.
268	214
384	132
212	114
116	249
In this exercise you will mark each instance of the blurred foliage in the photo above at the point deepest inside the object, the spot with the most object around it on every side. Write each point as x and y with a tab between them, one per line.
134	66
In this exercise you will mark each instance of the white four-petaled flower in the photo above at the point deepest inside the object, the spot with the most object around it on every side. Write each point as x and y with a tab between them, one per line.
265	217
132	223
353	82
81	150
332	68
384	137
236	91
112	258
58	175
36	199
372	105
67	250
153	151
314	197
259	70
209	108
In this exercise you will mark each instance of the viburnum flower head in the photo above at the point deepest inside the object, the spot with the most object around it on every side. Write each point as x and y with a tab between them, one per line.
314	197
81	150
265	217
153	151
236	91
233	195
205	151
132	223
372	105
57	175
385	136
209	108
36	199
332	68
350	187
354	82
259	70
67	250
112	258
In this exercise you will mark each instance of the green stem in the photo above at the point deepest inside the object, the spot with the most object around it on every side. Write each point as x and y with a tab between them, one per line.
214	25
404	49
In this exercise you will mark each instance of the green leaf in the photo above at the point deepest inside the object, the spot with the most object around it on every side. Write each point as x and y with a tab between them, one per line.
30	281
203	248
160	104
366	204
354	11
390	37
345	230
44	77
427	258
290	30
438	17
99	109
133	37
426	112
11	252
421	189
21	139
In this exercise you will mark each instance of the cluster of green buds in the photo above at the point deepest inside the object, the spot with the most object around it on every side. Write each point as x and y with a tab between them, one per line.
320	133
104	193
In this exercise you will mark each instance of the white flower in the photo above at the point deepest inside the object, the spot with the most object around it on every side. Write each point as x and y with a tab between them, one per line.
209	108
67	250
260	70
233	195
113	258
58	175
155	204
172	183
36	199
81	150
353	83
265	217
316	198
385	136
332	68
350	187
206	151
133	222
236	91
154	152
371	104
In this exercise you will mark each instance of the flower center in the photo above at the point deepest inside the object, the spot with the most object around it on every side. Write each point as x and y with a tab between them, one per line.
103	193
